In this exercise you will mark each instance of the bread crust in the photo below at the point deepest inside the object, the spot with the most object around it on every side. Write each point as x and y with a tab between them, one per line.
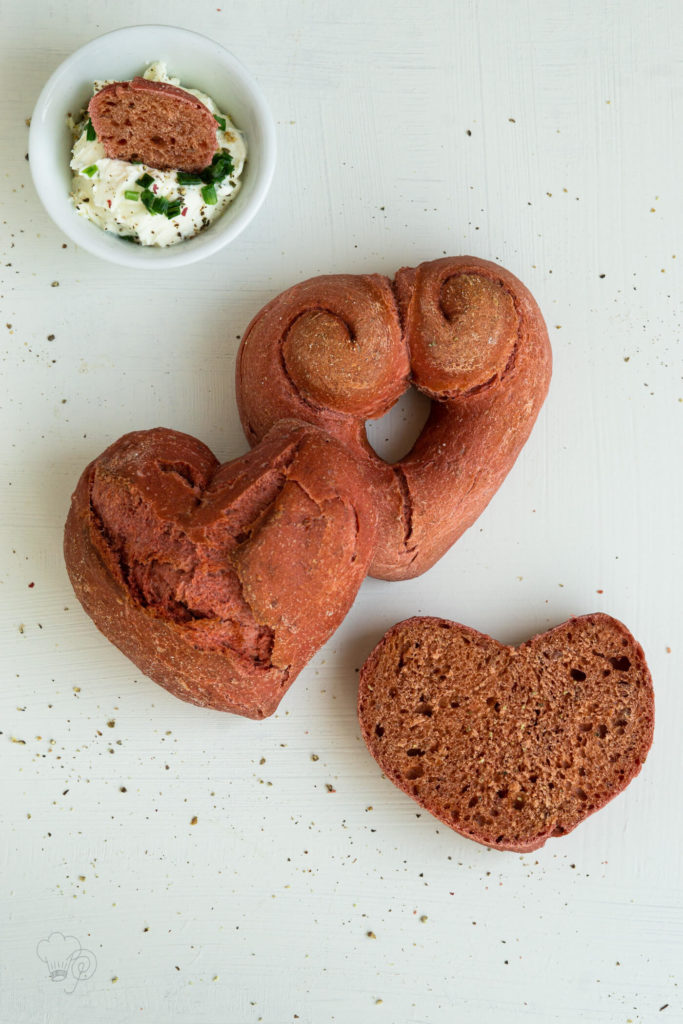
220	582
508	746
340	349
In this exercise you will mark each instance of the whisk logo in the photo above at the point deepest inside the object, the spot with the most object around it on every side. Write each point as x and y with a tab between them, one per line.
66	959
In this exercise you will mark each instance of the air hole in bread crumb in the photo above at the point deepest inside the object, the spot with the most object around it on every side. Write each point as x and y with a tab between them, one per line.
473	802
414	773
620	664
414	752
519	801
601	731
379	730
578	675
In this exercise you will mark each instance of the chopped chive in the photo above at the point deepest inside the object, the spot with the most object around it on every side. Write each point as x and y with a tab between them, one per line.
133	196
219	168
173	209
220	121
145	181
90	170
209	194
159	204
90	132
147	198
185	178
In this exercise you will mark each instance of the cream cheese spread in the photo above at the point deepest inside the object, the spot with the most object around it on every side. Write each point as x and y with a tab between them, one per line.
118	196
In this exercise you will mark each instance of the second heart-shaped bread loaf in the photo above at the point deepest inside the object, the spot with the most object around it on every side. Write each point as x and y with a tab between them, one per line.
340	349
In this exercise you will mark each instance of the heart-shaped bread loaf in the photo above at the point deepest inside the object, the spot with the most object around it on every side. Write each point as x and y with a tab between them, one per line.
220	581
508	745
341	349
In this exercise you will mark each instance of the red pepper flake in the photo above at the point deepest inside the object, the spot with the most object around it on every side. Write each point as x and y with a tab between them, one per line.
599	591
184	211
155	188
31	585
109	203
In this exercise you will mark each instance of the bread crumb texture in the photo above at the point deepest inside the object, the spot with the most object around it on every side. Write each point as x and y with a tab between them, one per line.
508	746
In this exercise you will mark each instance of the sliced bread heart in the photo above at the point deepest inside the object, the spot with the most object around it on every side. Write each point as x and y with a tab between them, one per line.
508	745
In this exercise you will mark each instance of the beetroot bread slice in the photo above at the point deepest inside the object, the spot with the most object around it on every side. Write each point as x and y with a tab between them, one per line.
157	123
508	745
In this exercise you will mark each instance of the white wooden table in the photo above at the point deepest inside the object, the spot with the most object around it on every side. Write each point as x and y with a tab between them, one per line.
542	134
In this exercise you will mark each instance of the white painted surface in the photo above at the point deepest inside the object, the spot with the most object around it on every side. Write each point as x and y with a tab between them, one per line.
260	912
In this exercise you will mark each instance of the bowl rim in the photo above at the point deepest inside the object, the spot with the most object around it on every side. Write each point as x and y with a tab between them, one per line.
205	243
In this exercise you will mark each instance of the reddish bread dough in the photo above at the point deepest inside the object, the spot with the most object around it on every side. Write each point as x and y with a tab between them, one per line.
341	349
220	582
157	123
508	745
